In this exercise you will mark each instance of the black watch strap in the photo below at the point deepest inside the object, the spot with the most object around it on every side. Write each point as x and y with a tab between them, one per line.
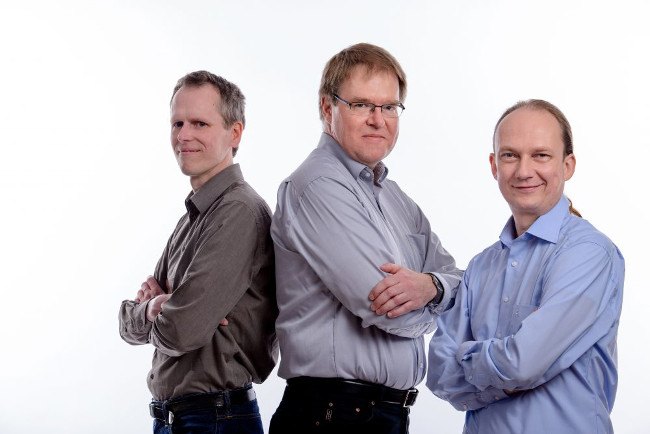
440	290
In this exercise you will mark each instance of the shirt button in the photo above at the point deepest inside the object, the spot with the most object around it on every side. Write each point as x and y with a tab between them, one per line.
506	299
514	263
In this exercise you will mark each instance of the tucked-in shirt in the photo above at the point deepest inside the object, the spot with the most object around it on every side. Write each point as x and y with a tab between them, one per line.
535	315
218	263
336	222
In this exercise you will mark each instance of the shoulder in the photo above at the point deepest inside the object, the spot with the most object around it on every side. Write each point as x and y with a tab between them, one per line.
318	166
240	200
576	231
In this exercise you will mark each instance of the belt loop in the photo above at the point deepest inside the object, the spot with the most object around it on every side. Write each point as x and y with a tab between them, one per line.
409	399
168	415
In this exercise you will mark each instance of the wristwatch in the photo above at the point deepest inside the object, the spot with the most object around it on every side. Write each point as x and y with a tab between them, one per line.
440	291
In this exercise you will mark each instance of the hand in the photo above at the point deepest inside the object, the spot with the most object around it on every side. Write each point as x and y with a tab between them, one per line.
155	306
223	322
148	290
402	291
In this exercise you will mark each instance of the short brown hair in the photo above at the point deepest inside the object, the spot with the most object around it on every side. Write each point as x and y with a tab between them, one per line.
374	58
233	101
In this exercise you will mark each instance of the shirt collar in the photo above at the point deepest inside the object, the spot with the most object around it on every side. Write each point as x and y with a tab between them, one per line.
330	145
546	227
199	201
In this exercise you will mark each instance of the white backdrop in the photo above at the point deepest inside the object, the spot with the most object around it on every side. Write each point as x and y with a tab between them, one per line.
90	190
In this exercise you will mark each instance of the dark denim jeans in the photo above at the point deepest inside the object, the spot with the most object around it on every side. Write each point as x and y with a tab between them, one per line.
337	414
233	419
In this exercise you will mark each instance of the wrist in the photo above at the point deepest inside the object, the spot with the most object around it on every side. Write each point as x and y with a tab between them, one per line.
440	291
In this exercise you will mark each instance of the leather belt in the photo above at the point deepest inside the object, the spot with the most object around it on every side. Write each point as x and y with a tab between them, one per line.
363	389
167	410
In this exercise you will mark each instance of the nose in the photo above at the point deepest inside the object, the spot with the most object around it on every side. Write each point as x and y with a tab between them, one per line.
376	118
524	168
184	134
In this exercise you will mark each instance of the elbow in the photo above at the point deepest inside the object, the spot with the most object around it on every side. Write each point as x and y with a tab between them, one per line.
173	342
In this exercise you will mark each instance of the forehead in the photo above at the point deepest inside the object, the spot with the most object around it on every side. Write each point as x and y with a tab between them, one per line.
203	98
527	127
365	83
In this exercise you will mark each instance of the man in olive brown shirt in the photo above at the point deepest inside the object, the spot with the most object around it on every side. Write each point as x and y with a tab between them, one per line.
217	268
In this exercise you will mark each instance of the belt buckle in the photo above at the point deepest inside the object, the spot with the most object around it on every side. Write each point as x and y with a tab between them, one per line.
409	399
169	419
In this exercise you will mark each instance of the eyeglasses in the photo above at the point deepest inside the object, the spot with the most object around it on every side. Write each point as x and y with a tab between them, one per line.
367	108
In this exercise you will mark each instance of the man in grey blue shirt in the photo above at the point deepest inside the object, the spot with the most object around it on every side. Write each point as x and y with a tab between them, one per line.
530	344
360	276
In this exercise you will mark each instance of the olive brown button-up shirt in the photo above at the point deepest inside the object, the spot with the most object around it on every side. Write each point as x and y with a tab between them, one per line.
218	263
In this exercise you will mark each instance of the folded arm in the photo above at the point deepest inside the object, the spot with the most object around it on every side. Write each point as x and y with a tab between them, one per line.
579	306
334	233
445	376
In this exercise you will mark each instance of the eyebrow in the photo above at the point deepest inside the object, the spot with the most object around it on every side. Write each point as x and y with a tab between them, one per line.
359	99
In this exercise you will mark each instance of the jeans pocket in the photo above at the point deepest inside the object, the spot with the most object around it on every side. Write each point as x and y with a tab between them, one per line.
347	411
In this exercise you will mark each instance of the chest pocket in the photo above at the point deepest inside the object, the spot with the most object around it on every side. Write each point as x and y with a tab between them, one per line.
519	313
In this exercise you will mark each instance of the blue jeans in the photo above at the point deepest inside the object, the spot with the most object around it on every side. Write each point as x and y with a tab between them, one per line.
325	413
231	419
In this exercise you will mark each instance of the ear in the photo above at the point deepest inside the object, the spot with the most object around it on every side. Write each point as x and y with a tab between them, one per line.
493	165
326	109
569	166
236	131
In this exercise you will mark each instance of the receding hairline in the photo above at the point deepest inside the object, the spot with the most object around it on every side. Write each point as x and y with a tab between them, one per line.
531	108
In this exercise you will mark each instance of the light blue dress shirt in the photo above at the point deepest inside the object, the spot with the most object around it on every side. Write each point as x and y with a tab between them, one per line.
535	315
336	222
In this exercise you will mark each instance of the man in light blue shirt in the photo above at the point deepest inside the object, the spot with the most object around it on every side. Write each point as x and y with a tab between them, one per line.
345	236
530	344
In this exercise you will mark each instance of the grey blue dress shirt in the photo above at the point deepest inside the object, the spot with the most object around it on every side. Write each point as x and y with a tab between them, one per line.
336	222
536	315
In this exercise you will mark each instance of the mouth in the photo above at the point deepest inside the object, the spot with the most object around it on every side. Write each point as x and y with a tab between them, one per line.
527	188
187	151
373	137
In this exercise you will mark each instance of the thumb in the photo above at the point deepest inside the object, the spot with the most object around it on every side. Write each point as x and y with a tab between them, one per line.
390	268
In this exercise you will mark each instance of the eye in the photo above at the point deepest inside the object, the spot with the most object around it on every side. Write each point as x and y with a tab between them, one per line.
389	108
200	124
542	156
177	124
507	155
359	106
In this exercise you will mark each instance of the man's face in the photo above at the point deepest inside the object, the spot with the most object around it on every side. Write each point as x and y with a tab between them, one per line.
201	144
529	164
366	139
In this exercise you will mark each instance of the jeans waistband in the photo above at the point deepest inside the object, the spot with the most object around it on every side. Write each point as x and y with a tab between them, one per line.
168	409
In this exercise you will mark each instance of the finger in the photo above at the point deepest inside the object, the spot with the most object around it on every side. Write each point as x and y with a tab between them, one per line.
153	284
391	304
223	322
382	286
401	310
386	294
163	299
390	268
